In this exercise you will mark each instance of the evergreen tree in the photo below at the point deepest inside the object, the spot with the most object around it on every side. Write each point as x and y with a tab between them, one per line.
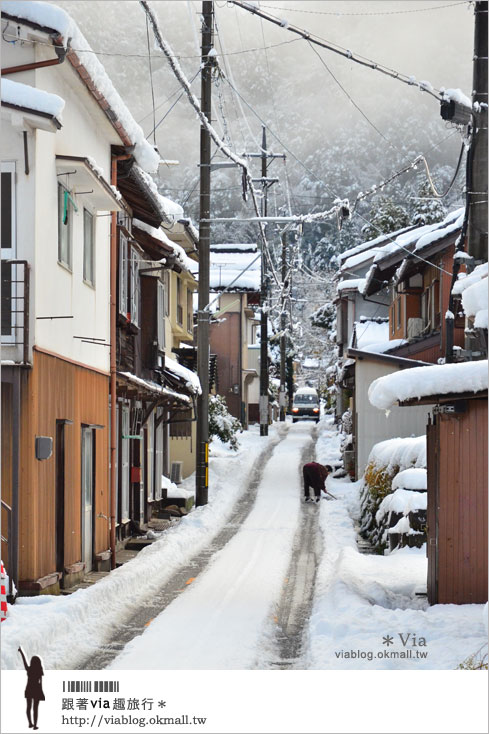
427	210
385	216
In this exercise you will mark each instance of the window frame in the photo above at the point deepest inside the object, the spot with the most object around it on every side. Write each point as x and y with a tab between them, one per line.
9	253
123	275
89	280
68	263
160	314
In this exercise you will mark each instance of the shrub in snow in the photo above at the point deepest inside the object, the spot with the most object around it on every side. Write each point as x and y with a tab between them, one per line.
221	423
427	210
386	460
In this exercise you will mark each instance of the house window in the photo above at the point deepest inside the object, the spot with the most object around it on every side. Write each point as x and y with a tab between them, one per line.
190	310
166	281
124	463
398	314
88	248
123	275
65	226
160	315
179	302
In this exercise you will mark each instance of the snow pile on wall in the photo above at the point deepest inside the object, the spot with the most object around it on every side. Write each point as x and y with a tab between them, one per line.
402	501
415	478
396	457
23	95
50	16
399	453
425	381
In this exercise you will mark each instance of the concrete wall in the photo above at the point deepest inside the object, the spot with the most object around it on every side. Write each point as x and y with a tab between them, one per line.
374	425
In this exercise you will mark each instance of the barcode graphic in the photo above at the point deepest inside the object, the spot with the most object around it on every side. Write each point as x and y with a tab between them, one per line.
85	686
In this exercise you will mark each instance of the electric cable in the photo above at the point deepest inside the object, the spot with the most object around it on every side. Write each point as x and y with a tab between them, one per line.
151	80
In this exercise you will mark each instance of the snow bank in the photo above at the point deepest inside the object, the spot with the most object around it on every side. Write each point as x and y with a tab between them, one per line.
464	280
22	95
425	381
54	17
474	302
359	599
66	630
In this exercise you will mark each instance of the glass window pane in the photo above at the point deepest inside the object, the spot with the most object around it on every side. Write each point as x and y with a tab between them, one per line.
6	191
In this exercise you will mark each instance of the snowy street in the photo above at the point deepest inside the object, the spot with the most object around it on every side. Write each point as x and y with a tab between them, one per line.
257	579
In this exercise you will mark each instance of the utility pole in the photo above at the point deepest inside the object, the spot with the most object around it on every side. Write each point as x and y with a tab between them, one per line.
283	338
477	194
202	475
265	183
263	297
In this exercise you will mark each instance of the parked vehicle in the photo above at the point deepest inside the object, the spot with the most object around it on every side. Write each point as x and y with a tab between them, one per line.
305	405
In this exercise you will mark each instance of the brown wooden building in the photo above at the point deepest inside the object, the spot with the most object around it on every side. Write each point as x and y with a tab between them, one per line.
457	546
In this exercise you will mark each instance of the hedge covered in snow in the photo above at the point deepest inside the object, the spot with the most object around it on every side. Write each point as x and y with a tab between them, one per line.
393	486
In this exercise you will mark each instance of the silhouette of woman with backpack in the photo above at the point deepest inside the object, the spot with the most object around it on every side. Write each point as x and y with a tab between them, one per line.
33	690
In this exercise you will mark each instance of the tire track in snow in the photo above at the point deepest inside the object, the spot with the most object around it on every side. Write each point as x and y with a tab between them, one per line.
219	622
178	582
297	596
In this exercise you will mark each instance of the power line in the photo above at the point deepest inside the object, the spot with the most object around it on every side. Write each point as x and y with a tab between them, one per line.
151	81
387	12
335	48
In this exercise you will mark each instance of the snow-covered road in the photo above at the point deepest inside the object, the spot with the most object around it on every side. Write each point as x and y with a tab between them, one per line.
224	616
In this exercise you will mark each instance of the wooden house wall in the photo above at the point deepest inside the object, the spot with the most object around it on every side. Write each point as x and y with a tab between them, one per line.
462	514
56	389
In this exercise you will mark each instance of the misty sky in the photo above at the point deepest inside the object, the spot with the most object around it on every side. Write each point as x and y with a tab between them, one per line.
304	103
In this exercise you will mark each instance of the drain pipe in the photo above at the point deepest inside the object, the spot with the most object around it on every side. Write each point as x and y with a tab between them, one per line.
60	57
113	361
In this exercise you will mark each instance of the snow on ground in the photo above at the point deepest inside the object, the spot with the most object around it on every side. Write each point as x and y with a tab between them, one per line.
219	622
65	630
361	599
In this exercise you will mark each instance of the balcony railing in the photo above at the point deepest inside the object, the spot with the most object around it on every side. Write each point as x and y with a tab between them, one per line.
15	306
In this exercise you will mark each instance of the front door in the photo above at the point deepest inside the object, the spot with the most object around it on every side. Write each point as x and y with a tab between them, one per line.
88	494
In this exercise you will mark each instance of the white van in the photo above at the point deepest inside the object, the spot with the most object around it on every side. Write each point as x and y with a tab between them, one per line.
305	405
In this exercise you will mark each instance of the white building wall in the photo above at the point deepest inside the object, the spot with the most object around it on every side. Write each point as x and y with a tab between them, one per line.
374	425
87	133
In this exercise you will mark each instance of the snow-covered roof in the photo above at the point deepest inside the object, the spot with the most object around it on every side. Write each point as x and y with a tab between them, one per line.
369	332
168	209
23	95
421	236
358	259
225	267
464	280
354	284
51	16
235	247
154	387
371	243
181	258
420	382
191	379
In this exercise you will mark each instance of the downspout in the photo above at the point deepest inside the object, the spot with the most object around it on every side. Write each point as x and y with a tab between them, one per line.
113	362
60	57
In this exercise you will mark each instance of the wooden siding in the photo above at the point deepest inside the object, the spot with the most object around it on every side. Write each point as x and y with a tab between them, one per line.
57	390
462	505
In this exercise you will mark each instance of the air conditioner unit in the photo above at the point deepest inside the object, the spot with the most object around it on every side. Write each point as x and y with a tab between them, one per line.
415	328
176	472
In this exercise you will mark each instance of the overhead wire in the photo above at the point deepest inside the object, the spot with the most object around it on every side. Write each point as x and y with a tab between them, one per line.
151	81
340	50
386	12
